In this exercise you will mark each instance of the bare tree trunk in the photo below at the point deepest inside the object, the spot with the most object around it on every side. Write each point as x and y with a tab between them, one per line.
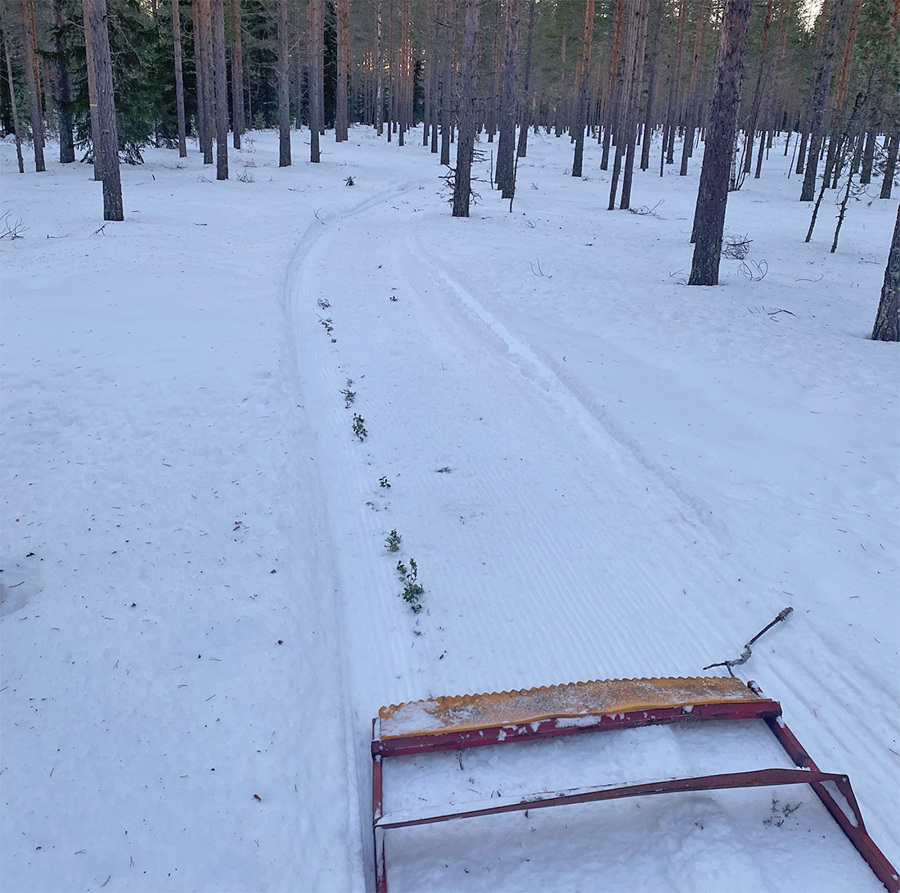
623	116
404	75
341	117
379	72
651	84
712	196
106	138
92	99
887	320
631	123
284	81
823	85
31	81
750	130
890	164
465	144
316	17
668	143
447	83
610	115
206	97
237	75
63	85
525	117
581	82
693	106
179	80
506	147
218	15
15	113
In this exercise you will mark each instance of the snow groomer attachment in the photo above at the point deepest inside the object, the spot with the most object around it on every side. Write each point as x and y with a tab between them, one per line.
513	717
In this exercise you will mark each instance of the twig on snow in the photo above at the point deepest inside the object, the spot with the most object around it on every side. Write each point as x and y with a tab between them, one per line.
745	656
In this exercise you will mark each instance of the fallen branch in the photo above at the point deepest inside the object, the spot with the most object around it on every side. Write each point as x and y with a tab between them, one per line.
745	656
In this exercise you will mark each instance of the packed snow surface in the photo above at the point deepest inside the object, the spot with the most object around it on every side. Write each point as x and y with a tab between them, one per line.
215	415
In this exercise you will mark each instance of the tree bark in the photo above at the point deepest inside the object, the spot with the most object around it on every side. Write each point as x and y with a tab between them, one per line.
693	107
92	99
506	147
203	62
31	81
823	85
584	68
890	164
284	81
341	116
316	17
668	143
526	108
221	84
651	84
465	143
179	80
63	85
106	138
447	83
887	320
712	196
237	75
15	114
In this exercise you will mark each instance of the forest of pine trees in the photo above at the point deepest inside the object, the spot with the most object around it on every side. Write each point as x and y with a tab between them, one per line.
823	78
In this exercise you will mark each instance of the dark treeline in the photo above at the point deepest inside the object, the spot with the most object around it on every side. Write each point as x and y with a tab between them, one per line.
825	82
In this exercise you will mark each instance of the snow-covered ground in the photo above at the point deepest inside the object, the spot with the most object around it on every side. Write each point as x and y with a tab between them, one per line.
215	413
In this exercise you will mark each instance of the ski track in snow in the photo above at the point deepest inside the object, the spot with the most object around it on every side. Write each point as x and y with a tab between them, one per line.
555	539
638	577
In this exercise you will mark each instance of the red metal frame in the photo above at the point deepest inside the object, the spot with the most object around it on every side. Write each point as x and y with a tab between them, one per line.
847	816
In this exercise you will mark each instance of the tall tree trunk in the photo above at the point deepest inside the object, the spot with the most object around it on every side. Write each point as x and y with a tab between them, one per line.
106	139
447	82
631	123
405	74
612	91
17	129
890	164
237	75
823	86
526	107
179	80
693	107
341	99
63	85
465	144
582	76
625	92
284	81
32	82
750	130
315	25
379	72
668	146
887	320
651	84
506	147
429	77
203	61
712	196
92	99
218	15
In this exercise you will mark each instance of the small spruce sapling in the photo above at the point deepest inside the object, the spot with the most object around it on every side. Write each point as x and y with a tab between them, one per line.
412	589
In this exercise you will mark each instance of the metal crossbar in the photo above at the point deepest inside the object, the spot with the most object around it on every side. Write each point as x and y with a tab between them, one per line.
455	723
